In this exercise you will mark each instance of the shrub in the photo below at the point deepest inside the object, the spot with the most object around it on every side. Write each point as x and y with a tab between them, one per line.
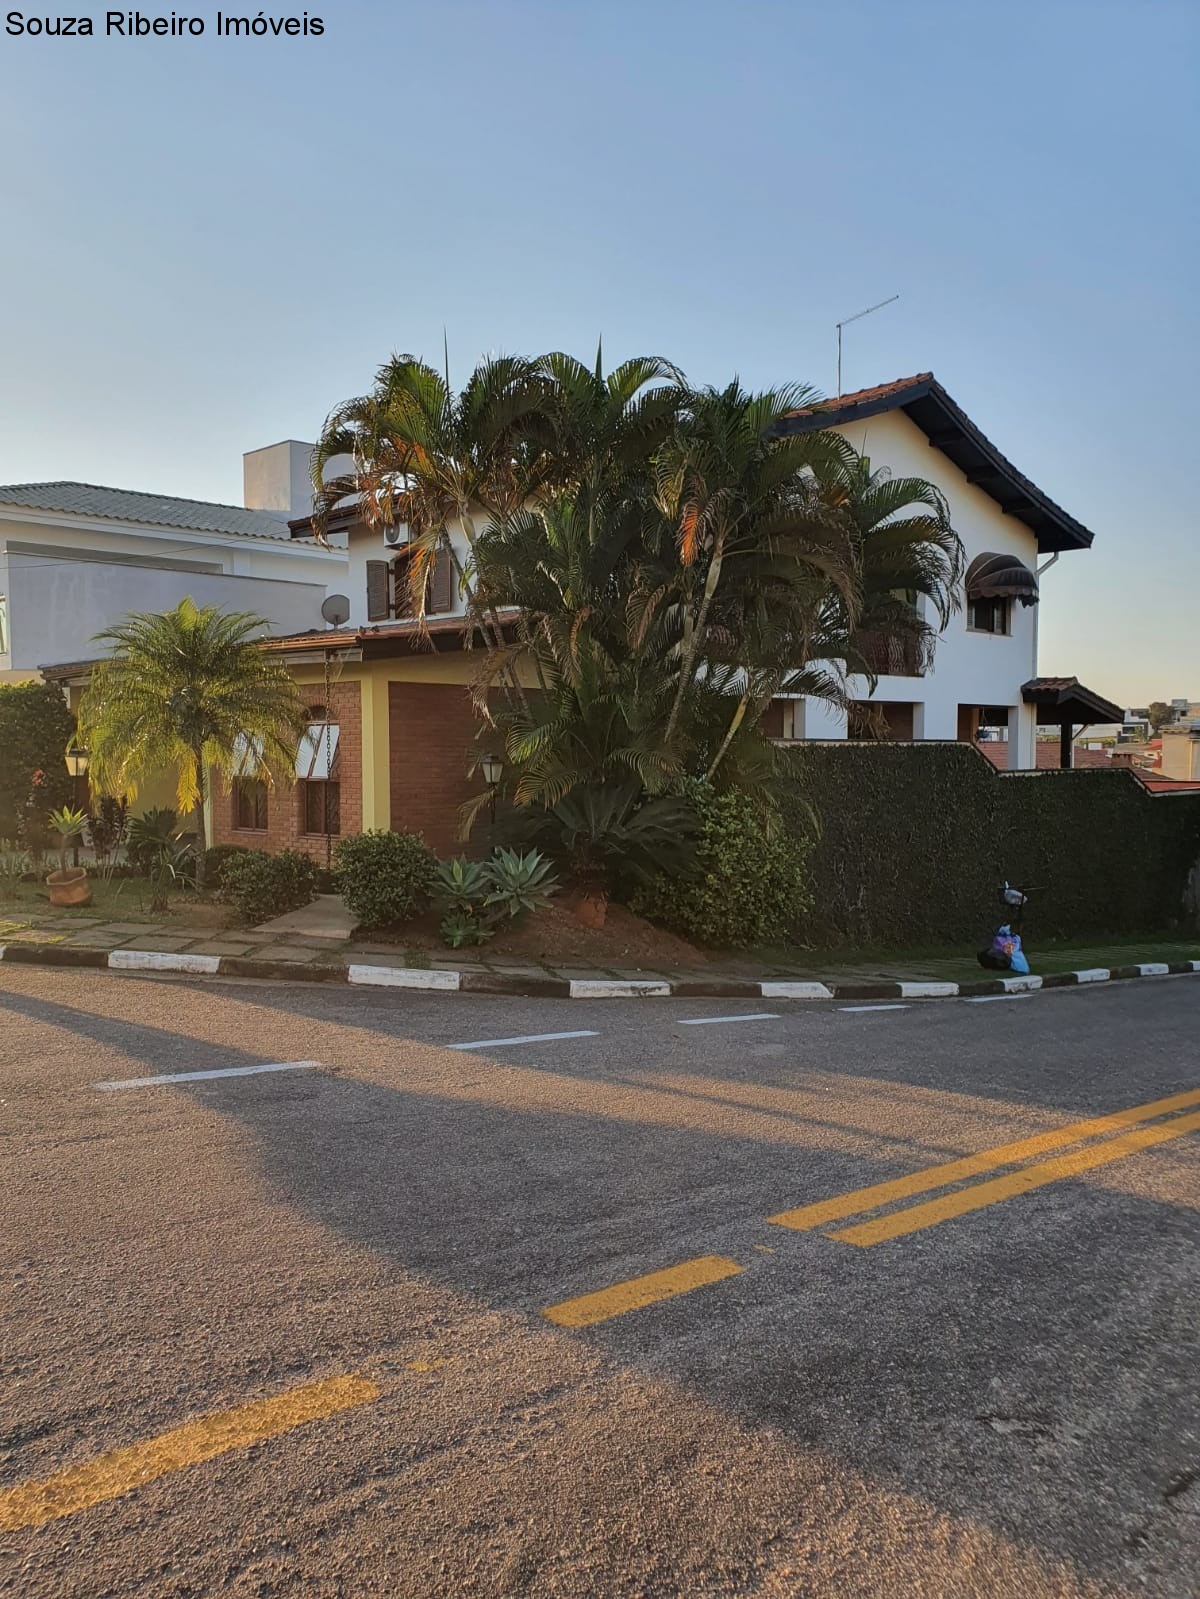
216	856
750	884
150	835
384	877
262	885
35	726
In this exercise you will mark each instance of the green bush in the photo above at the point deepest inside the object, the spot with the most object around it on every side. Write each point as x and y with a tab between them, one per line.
35	727
215	857
384	877
262	885
750	884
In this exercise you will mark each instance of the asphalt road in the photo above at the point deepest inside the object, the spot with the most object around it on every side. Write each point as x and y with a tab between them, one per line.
285	1332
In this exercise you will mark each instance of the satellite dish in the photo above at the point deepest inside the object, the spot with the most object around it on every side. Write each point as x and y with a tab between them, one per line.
336	610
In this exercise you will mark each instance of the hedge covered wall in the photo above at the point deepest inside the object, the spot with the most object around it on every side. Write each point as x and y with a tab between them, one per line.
915	840
35	726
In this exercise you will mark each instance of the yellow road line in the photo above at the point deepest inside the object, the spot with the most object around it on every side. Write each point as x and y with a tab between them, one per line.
954	1171
638	1291
33	1504
915	1217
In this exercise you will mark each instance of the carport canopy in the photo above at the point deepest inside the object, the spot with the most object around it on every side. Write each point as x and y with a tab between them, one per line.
1066	701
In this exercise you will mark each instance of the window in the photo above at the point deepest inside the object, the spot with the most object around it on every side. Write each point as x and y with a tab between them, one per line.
250	803
987	616
388	592
322	807
316	755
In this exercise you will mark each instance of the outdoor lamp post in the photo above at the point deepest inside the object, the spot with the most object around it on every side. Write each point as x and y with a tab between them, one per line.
493	768
77	765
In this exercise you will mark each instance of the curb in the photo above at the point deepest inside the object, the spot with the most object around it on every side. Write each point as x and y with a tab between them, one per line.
429	980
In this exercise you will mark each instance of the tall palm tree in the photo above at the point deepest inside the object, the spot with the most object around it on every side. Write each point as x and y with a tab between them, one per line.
737	494
427	457
189	690
910	565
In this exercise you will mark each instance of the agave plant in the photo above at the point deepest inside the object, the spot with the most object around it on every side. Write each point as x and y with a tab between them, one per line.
519	882
68	824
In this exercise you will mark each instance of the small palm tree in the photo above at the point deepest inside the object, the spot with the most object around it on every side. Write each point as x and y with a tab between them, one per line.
188	691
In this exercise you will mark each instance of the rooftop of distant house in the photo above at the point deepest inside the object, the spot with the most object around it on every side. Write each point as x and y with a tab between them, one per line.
94	501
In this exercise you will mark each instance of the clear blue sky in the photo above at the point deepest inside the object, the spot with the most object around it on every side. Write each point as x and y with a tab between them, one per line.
210	242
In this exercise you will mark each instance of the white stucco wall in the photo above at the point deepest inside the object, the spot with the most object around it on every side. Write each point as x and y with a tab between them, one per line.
969	668
58	607
65	578
365	544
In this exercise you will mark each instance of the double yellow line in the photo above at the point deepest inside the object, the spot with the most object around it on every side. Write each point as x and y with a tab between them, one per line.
913	1218
589	1309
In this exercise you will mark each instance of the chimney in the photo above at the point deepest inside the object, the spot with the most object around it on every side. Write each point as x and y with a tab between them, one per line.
277	480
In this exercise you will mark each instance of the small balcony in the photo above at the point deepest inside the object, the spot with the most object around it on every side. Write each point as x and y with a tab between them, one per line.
892	654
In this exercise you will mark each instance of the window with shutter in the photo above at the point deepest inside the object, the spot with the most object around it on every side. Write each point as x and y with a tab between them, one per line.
402	597
379	597
441	583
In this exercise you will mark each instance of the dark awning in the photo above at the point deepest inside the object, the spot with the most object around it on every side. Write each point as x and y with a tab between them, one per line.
1001	577
1067	701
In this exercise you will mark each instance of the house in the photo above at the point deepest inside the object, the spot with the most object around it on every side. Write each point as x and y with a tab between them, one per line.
1181	752
984	673
76	558
394	736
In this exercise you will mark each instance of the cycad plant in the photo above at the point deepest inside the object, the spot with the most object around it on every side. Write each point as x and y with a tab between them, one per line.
190	691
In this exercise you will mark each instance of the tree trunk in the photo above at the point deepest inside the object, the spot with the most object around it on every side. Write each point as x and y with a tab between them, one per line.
692	645
201	831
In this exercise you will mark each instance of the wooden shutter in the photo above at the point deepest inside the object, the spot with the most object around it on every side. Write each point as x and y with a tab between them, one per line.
441	583
378	591
402	604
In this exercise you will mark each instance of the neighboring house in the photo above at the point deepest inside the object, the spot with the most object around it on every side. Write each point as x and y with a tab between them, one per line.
1181	753
984	672
76	558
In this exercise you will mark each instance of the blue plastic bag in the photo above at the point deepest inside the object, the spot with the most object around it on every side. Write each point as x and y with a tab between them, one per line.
1007	945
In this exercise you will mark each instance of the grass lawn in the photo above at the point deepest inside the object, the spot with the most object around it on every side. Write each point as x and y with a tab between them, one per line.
125	899
953	964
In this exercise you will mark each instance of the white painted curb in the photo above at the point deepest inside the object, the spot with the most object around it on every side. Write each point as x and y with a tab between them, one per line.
1093	974
154	960
795	991
1021	985
1154	969
928	990
614	988
404	977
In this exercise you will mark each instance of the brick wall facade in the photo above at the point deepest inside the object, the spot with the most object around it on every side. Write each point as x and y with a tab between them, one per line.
285	803
433	730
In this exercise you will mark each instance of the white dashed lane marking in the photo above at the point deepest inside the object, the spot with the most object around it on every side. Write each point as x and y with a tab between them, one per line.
524	1038
169	1078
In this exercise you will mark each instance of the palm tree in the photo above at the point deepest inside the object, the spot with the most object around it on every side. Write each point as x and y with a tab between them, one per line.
189	690
427	457
910	566
735	493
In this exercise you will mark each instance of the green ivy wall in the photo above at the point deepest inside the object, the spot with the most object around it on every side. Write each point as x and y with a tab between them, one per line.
916	838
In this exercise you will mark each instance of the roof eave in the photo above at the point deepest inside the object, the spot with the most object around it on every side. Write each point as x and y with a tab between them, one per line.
950	430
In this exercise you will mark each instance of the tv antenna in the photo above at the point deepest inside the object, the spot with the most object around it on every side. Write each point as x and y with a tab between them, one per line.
846	323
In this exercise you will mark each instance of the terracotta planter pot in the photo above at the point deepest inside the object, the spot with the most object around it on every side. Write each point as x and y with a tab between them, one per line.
70	887
590	907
